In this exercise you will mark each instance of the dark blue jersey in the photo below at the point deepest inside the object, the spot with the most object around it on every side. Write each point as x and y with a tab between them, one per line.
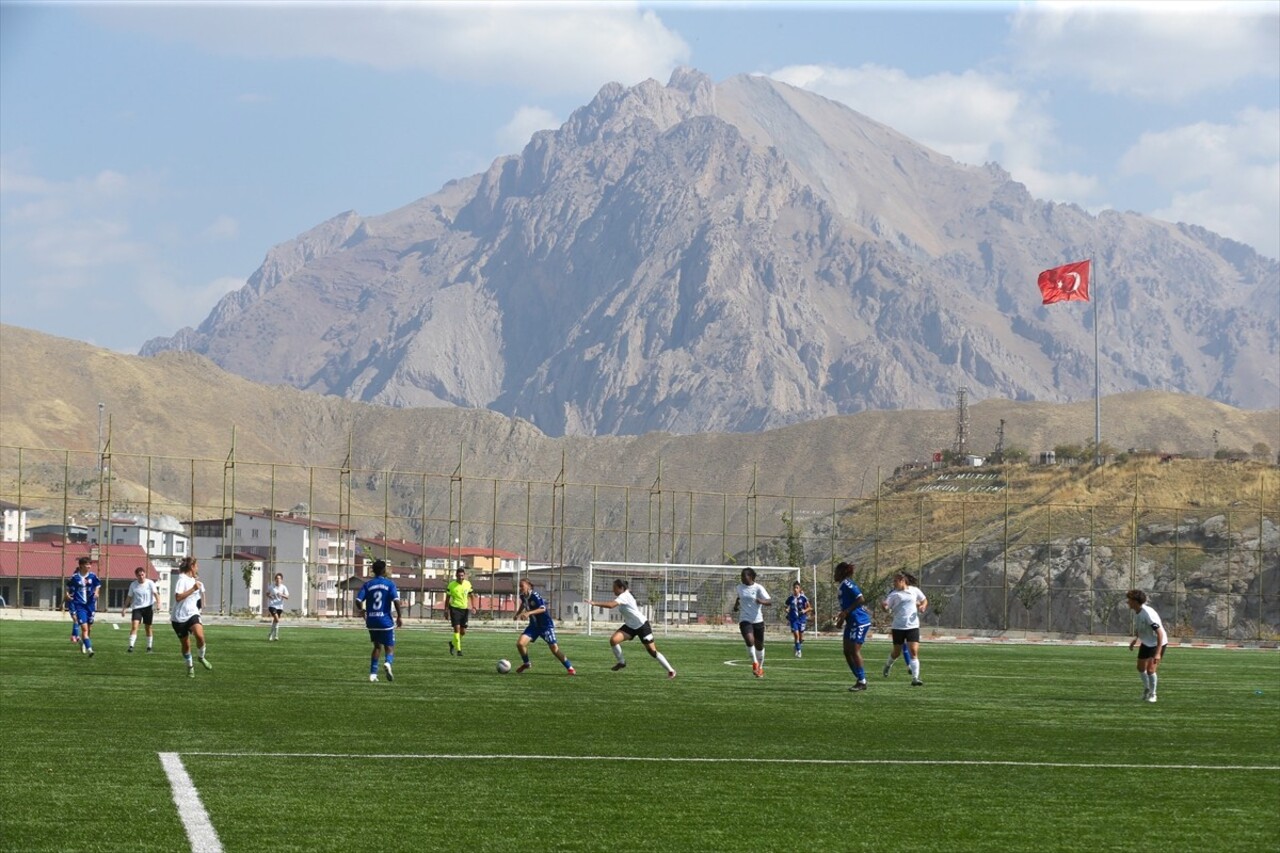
82	587
376	596
850	593
797	607
533	601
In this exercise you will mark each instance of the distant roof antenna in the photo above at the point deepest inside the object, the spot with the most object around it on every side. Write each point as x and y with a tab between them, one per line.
961	446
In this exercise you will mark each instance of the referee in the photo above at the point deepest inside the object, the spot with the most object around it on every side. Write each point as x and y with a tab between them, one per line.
458	595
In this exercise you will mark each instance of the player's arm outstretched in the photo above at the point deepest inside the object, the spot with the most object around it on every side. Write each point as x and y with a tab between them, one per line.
607	605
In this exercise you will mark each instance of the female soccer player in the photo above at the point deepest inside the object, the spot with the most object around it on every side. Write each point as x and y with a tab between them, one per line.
541	626
798	611
906	603
633	625
857	623
1154	639
185	616
377	598
277	594
143	598
749	605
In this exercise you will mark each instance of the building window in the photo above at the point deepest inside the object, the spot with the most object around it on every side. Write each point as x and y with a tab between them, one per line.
179	547
253	534
323	552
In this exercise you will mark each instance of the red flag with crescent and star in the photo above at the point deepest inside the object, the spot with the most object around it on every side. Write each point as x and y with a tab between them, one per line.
1065	283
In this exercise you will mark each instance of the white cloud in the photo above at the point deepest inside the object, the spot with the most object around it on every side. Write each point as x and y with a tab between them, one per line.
971	117
222	228
1161	51
527	121
1221	176
175	304
550	47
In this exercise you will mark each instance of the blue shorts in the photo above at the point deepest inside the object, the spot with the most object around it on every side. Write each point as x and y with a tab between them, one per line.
800	625
383	636
547	635
858	633
82	614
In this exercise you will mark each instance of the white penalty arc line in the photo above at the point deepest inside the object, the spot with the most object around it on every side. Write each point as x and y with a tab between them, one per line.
685	759
195	820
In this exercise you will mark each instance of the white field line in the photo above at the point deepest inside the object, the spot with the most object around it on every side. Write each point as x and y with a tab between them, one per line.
195	820
894	762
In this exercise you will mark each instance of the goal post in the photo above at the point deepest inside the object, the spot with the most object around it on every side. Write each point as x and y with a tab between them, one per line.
684	596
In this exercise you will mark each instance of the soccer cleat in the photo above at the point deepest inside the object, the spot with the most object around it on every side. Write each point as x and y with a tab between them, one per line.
90	652
148	650
191	672
858	687
1151	698
459	652
671	674
887	667
130	650
205	663
755	669
522	667
372	677
387	667
84	650
571	670
451	649
799	653
619	665
915	682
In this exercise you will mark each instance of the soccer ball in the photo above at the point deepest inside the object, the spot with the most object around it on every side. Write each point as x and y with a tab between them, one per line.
504	666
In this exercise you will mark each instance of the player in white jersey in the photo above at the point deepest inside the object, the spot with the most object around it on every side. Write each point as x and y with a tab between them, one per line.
277	594
185	616
906	603
633	625
143	599
751	600
1153	637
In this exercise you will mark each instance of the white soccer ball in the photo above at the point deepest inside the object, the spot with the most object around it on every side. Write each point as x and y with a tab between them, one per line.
504	666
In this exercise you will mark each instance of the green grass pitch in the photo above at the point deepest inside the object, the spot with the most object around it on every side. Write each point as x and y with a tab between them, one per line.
1008	747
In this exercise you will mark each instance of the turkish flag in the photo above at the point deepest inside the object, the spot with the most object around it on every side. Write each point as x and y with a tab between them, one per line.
1065	283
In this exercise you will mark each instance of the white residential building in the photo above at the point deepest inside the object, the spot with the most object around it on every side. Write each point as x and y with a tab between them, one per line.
313	556
162	537
15	522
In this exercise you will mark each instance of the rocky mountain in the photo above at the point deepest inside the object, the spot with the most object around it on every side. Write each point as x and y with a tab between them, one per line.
735	257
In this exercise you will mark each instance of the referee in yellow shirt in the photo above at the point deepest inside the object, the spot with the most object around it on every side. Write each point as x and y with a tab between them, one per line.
458	597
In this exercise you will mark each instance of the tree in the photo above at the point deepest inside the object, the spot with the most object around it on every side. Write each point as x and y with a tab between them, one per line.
795	545
1262	451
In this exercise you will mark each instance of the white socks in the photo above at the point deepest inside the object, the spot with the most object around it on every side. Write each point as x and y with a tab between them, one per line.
914	666
617	652
662	660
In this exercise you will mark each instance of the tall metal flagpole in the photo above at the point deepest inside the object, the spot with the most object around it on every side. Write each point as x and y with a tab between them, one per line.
1097	385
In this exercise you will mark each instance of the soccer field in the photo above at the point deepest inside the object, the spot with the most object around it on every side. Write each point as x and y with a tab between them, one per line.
287	746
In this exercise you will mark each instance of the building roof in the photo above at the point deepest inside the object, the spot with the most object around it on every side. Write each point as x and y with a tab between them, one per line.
278	518
55	560
432	552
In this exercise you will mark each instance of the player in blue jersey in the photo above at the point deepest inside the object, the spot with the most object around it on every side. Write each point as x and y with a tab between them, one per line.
377	598
856	620
798	610
541	626
82	596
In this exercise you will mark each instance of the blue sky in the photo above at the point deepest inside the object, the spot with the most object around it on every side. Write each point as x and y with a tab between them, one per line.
151	154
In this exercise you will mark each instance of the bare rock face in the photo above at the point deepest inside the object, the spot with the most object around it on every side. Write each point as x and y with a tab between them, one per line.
737	257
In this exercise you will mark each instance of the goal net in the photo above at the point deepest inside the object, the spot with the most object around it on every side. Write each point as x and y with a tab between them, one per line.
684	596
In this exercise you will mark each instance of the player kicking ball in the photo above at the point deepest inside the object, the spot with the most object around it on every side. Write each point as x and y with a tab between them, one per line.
633	625
541	626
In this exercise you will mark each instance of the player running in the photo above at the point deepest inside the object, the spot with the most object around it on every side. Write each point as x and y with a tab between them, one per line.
143	598
541	626
798	611
277	594
633	625
751	600
458	595
857	623
906	603
82	595
185	616
376	599
1154	639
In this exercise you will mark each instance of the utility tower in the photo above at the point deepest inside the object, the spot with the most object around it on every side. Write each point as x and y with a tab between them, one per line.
961	445
997	456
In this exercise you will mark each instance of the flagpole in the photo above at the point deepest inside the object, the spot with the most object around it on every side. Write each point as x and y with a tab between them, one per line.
1097	385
